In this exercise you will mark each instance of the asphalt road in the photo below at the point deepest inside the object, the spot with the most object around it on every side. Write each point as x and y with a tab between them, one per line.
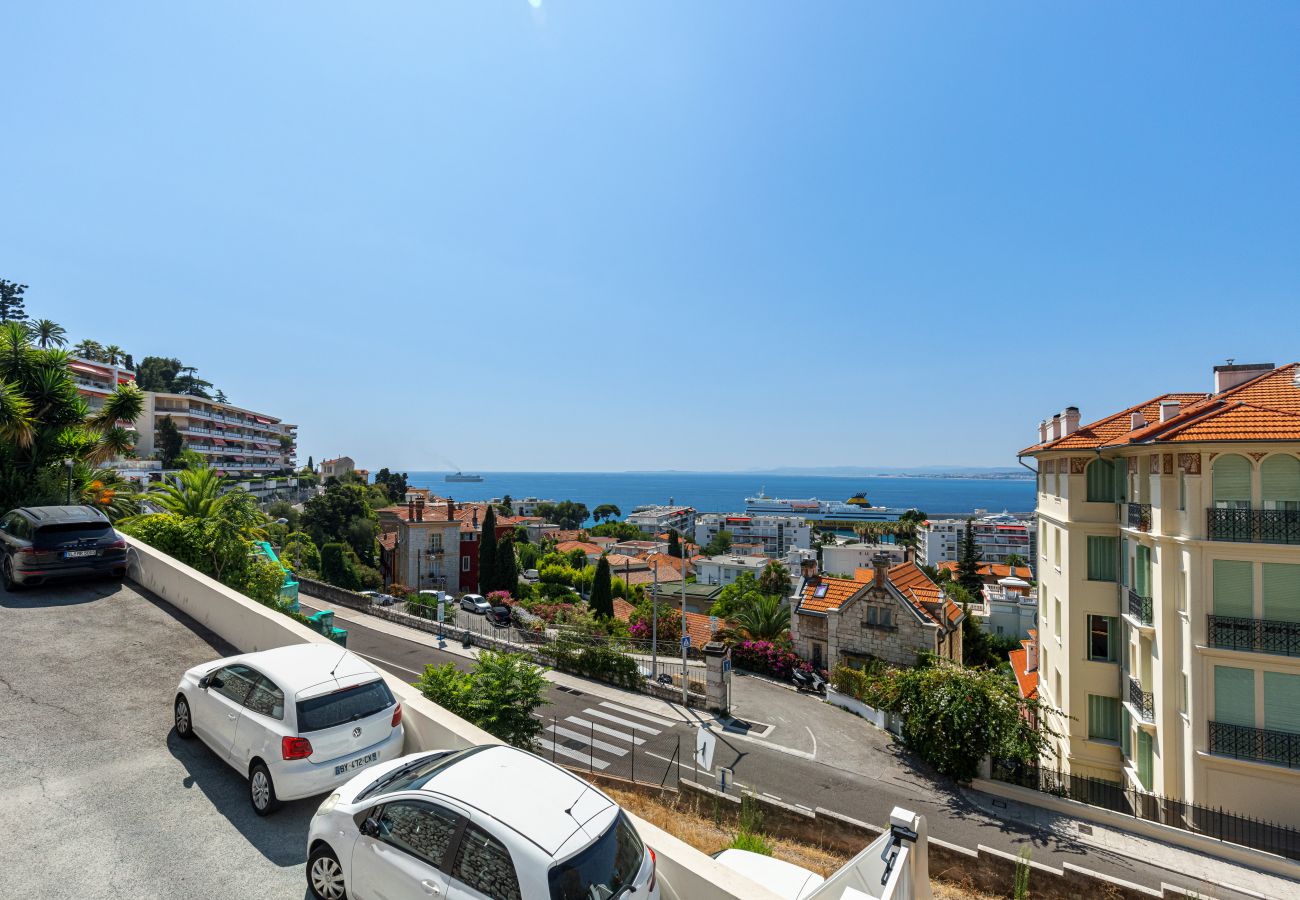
798	750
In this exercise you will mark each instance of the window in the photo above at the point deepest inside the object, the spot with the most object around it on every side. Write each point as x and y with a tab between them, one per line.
1232	482
421	829
1182	694
347	705
1142	575
1056	546
266	699
1144	759
1234	696
483	864
1182	490
1103	632
1282	592
234	682
1282	702
1279	481
1234	588
1101	481
1103	718
603	869
1125	733
1102	554
464	563
1056	616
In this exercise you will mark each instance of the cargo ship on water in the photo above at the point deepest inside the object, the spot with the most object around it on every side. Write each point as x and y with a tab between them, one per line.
461	477
823	513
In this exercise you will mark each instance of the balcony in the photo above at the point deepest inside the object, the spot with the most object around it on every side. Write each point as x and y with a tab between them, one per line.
1254	635
1140	608
1255	526
1243	742
1139	516
1143	702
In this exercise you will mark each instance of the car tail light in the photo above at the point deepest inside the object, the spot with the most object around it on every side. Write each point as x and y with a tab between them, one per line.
118	544
295	747
397	716
653	867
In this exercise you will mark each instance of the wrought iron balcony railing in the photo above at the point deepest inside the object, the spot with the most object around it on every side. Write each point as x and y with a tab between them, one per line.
1256	526
1255	635
1142	701
1140	607
1139	516
1244	742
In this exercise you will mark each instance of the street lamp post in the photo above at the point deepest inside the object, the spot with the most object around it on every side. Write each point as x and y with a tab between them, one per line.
70	463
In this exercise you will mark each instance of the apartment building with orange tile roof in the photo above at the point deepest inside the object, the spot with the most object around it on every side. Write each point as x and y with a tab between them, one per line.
892	612
1169	572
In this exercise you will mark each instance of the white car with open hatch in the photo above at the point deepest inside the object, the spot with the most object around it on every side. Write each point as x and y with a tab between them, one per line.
484	823
296	721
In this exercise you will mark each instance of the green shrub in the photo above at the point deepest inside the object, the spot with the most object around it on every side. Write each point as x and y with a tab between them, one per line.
499	695
754	843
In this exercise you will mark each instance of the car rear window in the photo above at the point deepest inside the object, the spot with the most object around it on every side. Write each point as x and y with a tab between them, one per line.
64	532
603	869
346	705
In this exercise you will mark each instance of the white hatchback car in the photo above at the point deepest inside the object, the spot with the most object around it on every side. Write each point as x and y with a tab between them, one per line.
297	720
488	822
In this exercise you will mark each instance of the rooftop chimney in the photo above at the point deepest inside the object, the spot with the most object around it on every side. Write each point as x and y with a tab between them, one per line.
451	509
1031	657
419	509
1071	415
880	562
1056	426
474	517
410	510
808	568
1136	421
1042	432
1168	409
1229	376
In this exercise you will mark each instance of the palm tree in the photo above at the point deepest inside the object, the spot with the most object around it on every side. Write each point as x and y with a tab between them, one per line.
196	494
109	492
113	354
46	333
88	349
762	617
125	404
114	443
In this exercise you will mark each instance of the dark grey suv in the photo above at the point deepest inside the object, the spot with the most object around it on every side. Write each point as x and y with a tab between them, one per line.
38	543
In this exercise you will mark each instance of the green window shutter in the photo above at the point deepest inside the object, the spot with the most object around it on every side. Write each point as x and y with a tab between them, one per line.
1282	702
1123	561
1234	588
1144	759
1101	481
1282	592
1103	718
1279	480
1234	696
1101	558
1125	733
1232	480
1143	586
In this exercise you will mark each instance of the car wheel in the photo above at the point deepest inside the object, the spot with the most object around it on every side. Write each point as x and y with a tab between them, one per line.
261	790
7	575
325	875
184	724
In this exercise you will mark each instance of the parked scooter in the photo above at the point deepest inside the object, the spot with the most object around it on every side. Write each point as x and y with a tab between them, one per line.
809	681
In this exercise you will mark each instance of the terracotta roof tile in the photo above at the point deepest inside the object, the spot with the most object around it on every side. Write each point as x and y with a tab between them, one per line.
570	546
698	625
993	570
838	592
922	594
1027	681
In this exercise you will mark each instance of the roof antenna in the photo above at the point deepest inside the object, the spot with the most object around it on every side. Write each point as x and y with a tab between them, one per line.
339	663
1231	360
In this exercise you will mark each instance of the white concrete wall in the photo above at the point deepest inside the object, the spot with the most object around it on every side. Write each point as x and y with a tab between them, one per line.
685	873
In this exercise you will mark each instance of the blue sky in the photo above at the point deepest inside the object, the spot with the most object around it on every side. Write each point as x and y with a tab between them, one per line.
607	236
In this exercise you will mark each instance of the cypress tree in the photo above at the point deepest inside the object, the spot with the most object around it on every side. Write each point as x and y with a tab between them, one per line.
507	574
602	590
968	563
674	544
487	553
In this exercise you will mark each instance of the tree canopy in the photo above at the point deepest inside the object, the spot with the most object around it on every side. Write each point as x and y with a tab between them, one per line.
606	511
602	593
487	553
719	544
11	301
566	513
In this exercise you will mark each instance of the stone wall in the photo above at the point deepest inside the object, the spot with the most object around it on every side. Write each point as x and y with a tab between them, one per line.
899	643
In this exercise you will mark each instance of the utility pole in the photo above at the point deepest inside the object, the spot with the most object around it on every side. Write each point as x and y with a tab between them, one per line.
685	636
654	629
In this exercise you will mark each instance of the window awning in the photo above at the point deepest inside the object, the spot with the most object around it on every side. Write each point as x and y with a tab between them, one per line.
219	442
262	421
240	458
87	367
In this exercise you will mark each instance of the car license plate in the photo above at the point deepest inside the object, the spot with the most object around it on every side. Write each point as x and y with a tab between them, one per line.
359	763
73	554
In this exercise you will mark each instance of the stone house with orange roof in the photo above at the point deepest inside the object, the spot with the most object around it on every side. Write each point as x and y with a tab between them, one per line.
891	612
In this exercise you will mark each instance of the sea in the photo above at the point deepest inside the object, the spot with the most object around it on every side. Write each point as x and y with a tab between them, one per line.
726	492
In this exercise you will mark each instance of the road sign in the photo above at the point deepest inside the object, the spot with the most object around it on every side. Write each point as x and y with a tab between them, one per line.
725	777
705	743
726	666
686	641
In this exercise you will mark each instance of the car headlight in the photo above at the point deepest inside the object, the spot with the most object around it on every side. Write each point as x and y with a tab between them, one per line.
328	806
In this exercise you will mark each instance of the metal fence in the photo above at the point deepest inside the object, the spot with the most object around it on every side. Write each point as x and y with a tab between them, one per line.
1221	824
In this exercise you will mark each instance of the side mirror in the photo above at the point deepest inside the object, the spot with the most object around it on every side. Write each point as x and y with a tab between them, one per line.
205	681
370	827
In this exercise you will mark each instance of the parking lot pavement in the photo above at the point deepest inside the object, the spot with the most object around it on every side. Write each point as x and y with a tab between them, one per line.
99	797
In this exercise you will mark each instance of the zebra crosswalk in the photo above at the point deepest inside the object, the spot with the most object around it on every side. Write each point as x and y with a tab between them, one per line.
600	735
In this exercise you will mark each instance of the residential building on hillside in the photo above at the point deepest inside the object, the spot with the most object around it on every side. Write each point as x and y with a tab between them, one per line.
699	597
997	537
468	518
658	519
991	573
845	559
1169	571
420	546
777	535
234	441
336	468
892	611
726	569
96	380
525	506
1008	608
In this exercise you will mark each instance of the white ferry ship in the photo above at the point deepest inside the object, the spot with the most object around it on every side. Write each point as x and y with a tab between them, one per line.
826	513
